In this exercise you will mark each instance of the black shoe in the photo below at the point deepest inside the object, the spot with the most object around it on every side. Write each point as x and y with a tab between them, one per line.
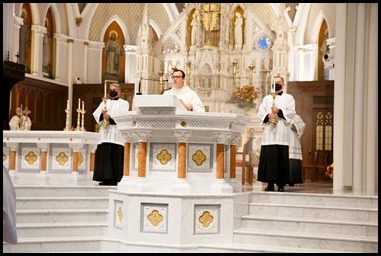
269	188
281	189
108	183
291	184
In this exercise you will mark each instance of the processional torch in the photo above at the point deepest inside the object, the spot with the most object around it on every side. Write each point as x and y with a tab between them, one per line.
104	121
273	120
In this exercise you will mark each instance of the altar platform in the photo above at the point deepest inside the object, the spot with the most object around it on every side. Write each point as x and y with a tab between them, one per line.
179	171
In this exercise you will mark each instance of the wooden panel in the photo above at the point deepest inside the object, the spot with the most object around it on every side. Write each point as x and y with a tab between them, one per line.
46	101
310	95
92	95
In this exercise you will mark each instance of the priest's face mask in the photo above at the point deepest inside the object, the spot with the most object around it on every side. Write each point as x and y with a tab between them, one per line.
114	91
278	83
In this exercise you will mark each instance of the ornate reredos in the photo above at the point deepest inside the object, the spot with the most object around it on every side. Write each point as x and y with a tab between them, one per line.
216	51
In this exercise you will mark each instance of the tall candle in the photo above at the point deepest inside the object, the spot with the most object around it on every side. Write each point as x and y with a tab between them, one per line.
79	103
83	105
105	89
67	104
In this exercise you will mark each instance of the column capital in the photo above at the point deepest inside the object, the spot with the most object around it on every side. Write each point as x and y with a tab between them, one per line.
222	137
43	146
12	145
142	135
183	136
75	146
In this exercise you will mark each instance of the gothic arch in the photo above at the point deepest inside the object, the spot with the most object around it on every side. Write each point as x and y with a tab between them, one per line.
320	18
156	28
123	27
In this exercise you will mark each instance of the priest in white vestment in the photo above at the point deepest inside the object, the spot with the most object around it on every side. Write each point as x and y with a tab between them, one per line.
108	169
184	93
20	122
273	166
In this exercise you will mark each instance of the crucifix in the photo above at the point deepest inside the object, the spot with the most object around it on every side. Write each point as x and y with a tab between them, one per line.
26	112
210	19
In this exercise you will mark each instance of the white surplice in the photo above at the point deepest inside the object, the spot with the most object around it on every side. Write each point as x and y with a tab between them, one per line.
187	95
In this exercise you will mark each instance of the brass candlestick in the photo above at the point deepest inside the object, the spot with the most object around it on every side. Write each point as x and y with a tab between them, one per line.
67	128
161	74
104	121
83	111
273	120
251	68
78	128
188	77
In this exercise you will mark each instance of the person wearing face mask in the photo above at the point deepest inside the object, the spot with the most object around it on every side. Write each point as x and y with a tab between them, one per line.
108	169
20	122
273	166
185	94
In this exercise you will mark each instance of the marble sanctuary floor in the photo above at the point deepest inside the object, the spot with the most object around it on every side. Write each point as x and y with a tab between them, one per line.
57	212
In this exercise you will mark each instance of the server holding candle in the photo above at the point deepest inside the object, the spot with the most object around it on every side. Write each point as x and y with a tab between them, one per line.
108	169
273	166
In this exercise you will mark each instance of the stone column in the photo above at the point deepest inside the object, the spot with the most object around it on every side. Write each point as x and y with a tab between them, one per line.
92	149
142	152
221	186
182	185
75	156
127	181
12	156
37	49
44	153
233	155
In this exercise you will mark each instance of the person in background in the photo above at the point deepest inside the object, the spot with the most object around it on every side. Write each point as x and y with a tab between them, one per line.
295	150
185	94
273	166
9	209
108	169
20	122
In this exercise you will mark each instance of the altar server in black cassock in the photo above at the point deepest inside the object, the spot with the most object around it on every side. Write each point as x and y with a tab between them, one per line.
273	166
108	169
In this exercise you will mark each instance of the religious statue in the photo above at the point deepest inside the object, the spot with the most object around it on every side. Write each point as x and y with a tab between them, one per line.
238	30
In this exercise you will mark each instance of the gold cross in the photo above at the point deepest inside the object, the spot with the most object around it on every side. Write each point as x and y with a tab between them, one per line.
210	18
26	112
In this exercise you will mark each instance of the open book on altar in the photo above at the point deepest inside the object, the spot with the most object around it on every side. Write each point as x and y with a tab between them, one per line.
151	104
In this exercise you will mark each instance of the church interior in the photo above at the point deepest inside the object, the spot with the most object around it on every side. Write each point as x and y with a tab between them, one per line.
59	59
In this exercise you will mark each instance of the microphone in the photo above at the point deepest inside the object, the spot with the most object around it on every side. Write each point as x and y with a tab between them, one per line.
149	79
157	80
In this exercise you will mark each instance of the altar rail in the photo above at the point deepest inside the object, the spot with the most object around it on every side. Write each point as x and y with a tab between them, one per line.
49	153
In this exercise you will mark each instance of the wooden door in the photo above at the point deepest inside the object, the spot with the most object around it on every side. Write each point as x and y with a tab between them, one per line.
314	103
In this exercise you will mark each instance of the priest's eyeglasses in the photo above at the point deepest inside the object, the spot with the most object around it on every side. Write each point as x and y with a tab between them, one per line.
178	77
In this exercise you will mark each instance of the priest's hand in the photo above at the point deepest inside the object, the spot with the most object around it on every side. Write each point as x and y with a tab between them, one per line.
106	116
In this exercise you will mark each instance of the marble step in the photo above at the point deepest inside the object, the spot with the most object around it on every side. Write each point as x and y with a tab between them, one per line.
61	215
310	225
251	248
315	212
28	230
309	241
54	244
62	191
110	245
55	202
326	200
